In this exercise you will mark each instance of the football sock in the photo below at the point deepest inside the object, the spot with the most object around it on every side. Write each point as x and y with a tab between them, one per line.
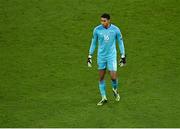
102	88
114	83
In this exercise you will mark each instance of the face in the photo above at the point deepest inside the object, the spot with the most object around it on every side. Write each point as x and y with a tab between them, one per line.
105	22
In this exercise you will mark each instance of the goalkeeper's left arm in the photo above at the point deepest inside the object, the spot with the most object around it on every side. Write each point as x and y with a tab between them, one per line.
92	48
122	49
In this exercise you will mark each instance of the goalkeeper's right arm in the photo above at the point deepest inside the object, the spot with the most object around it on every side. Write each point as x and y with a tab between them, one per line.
92	48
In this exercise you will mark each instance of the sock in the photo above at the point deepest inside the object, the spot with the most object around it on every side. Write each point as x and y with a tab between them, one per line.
114	83
102	88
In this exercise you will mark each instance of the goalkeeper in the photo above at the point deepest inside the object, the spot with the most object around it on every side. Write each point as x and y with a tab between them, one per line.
106	35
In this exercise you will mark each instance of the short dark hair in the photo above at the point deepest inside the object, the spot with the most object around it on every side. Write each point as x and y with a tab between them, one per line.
105	15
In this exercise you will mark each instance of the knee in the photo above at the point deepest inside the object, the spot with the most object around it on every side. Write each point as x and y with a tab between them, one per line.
113	76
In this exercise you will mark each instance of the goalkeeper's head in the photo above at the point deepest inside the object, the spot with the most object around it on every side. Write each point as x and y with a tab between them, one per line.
105	20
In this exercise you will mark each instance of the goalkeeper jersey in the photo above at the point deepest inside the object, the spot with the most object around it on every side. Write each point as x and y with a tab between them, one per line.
106	39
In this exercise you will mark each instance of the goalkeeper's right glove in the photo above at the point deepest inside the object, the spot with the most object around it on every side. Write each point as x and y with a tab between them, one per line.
89	61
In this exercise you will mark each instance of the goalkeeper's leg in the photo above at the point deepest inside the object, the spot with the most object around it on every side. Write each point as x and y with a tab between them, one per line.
102	87
114	82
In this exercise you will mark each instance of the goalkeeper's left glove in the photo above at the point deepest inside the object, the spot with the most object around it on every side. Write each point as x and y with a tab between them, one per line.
122	61
89	61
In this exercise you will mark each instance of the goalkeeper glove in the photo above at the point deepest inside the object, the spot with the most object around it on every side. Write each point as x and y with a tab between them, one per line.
122	61
89	61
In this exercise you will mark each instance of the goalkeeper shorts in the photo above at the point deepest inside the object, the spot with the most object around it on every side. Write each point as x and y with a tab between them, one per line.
111	65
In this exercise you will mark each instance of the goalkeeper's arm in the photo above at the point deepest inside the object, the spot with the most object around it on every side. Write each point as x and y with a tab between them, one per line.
122	49
92	48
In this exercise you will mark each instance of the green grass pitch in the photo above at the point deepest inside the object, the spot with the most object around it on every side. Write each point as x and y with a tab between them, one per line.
44	79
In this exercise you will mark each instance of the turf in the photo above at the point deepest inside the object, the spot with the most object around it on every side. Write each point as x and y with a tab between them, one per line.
44	79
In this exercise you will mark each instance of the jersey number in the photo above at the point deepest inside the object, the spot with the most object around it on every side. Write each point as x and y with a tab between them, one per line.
106	38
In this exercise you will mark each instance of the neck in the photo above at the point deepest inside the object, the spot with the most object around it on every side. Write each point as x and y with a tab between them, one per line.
107	26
